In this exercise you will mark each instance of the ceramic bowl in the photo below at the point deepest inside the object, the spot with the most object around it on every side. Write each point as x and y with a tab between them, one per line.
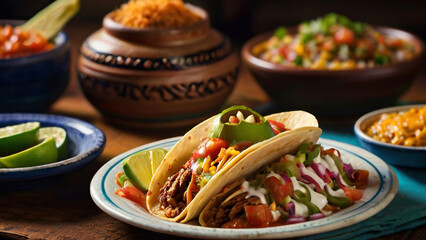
85	143
33	83
335	93
149	77
392	154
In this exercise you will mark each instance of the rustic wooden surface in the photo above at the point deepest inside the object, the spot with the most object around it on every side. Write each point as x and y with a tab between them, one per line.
65	210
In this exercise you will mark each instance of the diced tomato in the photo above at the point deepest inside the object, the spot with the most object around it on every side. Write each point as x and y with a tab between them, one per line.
287	54
237	223
328	45
344	36
366	44
133	194
209	147
395	43
258	215
277	189
353	193
233	119
277	127
361	178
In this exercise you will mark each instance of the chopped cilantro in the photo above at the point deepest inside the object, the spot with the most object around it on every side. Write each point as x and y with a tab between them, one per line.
280	32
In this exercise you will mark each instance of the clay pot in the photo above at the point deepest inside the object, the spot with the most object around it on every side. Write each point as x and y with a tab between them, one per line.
149	77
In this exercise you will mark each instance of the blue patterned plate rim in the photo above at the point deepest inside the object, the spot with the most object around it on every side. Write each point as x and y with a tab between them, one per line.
380	194
57	120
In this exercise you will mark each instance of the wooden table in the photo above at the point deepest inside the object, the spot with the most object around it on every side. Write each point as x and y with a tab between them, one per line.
65	210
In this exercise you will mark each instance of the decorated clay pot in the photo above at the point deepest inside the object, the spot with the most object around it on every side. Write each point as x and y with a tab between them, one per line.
149	77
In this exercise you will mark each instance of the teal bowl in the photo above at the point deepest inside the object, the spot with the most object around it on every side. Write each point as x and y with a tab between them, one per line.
33	83
390	153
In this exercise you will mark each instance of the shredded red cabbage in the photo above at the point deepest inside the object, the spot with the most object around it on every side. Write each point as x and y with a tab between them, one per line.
295	219
316	216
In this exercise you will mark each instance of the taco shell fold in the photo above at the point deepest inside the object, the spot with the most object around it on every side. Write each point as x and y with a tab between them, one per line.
303	128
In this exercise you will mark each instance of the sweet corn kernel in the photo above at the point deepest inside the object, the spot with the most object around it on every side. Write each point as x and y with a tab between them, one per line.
273	206
324	55
335	65
258	49
319	64
300	49
349	64
287	39
276	59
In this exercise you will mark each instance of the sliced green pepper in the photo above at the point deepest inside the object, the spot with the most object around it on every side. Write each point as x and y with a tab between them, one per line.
122	179
312	154
305	198
341	202
242	131
339	165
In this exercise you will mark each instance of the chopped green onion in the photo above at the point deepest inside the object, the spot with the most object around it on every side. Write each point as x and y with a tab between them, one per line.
280	33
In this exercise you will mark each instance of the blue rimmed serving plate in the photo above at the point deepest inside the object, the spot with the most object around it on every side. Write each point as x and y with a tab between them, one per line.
383	186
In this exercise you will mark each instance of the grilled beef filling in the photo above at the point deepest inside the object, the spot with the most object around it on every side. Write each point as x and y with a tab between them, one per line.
230	210
173	193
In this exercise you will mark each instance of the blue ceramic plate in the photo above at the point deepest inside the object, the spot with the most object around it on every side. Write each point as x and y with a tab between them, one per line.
85	143
383	186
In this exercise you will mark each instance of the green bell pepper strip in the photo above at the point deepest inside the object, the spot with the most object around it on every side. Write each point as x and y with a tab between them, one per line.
341	202
242	131
305	199
339	165
122	179
312	154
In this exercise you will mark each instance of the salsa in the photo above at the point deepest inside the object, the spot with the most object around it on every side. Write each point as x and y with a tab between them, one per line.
15	42
333	42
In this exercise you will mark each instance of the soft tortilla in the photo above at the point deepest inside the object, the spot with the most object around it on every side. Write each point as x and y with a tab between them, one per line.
300	123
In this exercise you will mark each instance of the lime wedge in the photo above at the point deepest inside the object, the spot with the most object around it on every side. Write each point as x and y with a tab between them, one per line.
49	21
138	167
43	153
60	136
157	155
16	138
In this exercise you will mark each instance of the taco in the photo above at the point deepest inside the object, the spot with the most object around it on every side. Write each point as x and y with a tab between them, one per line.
307	184
199	165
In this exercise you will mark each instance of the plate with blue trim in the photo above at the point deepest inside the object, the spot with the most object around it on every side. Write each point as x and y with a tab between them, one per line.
383	186
85	142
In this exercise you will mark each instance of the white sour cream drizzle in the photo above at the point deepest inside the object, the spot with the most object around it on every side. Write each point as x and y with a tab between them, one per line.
260	193
331	164
273	174
300	209
337	193
318	199
310	172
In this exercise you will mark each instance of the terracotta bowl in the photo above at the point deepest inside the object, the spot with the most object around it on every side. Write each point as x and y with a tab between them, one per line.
330	93
147	77
32	83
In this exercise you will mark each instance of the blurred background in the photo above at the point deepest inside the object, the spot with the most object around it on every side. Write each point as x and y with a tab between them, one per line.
241	19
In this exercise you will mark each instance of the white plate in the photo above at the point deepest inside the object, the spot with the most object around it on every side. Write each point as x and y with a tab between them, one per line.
383	186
